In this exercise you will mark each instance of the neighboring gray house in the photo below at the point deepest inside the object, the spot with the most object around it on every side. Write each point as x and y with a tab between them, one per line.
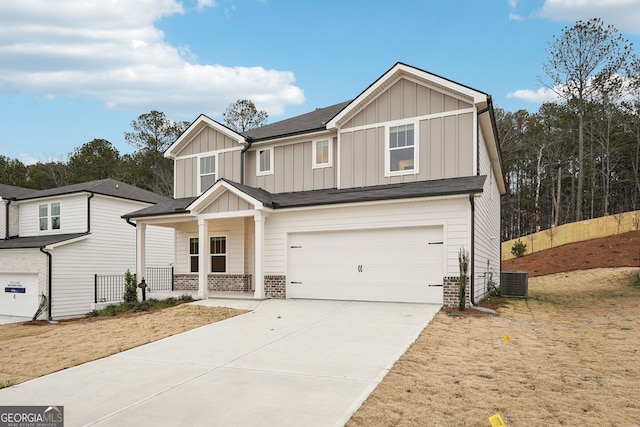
370	199
52	242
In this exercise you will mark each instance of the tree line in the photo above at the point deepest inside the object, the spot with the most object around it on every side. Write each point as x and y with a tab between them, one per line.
578	157
575	158
150	135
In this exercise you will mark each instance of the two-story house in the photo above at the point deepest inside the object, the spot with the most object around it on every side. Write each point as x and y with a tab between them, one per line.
53	242
370	199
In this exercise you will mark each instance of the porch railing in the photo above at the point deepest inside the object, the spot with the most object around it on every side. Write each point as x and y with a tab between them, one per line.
110	287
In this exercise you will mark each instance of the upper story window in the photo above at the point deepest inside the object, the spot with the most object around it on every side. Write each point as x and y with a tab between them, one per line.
322	153
49	216
206	173
401	154
265	161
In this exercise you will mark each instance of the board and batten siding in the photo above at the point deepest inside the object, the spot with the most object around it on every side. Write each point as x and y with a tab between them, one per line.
452	214
403	100
446	129
73	215
208	142
109	249
232	228
293	168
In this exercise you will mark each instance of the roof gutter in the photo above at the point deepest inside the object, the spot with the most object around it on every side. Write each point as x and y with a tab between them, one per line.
49	273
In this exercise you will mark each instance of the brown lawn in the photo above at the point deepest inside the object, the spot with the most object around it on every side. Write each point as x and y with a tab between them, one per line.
572	356
72	343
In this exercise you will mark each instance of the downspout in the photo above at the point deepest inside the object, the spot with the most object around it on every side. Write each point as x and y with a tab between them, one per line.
91	194
49	273
249	141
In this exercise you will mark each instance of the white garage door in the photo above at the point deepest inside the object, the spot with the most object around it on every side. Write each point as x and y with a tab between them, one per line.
399	264
18	294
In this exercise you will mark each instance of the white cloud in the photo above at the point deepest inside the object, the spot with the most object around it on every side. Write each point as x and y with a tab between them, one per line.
623	14
111	51
535	96
206	3
515	17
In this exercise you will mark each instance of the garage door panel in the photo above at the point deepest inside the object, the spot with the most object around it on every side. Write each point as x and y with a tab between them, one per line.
377	265
18	294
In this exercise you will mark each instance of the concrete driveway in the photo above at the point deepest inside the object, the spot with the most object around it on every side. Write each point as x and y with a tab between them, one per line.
286	363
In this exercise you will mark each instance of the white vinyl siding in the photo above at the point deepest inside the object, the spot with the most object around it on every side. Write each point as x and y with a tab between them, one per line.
452	214
109	249
487	227
234	231
72	215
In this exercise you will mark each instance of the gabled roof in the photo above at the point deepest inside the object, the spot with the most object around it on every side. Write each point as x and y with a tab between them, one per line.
310	122
194	128
106	187
38	241
396	72
332	196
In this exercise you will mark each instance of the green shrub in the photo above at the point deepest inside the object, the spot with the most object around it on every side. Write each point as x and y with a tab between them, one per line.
130	289
519	249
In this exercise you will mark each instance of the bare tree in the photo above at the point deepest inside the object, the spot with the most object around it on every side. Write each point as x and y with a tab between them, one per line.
243	115
586	51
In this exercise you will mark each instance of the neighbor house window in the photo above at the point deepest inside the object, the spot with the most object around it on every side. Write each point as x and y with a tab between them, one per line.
218	254
49	216
193	254
265	161
401	149
206	173
44	217
322	153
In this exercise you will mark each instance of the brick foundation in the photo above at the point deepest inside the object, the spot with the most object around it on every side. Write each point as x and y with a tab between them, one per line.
451	292
215	282
275	287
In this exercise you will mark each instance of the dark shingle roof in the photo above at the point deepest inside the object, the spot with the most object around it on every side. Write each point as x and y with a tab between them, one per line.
309	122
37	241
167	207
12	192
106	187
332	196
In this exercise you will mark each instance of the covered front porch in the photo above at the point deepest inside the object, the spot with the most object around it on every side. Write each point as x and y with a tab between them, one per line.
219	241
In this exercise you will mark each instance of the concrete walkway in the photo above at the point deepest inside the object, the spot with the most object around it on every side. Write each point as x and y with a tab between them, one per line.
286	363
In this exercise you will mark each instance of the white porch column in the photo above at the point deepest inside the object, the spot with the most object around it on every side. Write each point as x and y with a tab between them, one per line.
141	251
203	258
258	271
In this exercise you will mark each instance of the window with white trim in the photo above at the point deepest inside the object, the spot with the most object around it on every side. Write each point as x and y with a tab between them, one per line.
322	153
218	250
401	149
206	172
193	254
49	216
264	161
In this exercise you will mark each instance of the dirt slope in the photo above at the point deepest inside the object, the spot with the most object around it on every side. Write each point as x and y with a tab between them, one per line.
620	250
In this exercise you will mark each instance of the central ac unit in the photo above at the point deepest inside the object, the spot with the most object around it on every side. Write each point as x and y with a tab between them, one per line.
514	284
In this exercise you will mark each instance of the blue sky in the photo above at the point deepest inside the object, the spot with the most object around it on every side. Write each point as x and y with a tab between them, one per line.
75	70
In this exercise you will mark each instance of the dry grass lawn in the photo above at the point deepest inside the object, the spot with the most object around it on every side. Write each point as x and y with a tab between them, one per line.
572	359
67	344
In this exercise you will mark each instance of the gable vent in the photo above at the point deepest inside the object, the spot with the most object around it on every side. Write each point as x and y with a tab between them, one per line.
514	284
